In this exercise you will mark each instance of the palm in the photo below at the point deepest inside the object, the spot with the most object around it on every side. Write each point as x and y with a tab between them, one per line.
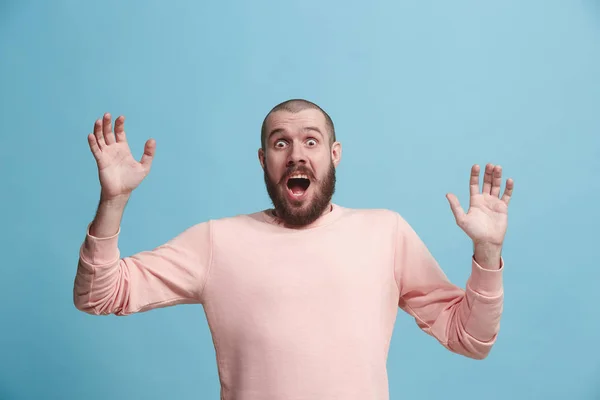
118	171
487	218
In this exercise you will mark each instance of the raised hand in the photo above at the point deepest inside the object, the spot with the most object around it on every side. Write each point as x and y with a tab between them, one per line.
118	171
487	218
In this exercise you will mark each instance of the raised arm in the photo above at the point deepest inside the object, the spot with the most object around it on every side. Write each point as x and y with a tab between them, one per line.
105	282
465	321
119	173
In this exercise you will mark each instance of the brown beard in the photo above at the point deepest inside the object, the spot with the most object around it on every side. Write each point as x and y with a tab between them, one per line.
292	213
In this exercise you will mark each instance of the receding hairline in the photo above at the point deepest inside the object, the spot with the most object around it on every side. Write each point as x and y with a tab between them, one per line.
295	106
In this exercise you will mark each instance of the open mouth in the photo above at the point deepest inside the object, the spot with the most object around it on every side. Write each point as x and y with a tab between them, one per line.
298	184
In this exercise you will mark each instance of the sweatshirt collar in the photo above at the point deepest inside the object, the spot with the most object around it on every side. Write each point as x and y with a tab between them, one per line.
328	216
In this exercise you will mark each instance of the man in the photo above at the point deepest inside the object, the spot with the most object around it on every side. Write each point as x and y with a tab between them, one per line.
301	299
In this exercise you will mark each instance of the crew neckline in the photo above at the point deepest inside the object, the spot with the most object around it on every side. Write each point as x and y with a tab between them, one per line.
325	219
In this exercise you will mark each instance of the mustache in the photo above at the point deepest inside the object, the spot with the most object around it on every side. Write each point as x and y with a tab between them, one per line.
297	169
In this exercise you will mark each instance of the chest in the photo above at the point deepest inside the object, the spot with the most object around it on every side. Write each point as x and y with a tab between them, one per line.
300	270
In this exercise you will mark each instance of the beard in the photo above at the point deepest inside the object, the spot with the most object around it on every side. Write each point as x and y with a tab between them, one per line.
302	212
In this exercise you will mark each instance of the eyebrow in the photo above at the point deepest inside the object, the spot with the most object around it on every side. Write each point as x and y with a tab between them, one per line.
305	129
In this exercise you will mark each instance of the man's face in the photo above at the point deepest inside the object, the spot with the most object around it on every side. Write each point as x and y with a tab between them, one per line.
299	165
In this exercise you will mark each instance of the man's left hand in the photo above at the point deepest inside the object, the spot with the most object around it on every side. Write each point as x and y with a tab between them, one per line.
487	218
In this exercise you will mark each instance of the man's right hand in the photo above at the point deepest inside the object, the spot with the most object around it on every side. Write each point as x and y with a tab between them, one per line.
118	171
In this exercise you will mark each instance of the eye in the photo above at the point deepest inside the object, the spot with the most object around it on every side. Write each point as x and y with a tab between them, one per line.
311	142
280	144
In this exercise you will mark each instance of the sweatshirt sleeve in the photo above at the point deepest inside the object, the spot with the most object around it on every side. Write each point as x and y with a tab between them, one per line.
173	273
464	321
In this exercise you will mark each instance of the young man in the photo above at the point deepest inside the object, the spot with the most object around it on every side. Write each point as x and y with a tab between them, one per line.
301	299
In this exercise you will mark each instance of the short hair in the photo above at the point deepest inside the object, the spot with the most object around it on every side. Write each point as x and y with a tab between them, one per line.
295	106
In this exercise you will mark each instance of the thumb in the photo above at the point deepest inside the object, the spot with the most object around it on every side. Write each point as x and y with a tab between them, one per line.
455	207
148	156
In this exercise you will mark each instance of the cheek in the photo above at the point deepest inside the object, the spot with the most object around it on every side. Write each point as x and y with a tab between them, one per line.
323	163
274	168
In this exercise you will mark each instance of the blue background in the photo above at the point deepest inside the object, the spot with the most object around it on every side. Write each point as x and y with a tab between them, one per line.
419	91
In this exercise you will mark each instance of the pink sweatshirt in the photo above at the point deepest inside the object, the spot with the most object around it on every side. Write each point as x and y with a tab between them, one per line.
298	314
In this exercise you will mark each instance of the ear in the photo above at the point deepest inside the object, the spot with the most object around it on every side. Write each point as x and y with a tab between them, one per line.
261	157
336	153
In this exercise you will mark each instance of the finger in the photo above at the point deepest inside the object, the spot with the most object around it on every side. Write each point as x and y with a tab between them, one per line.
510	184
148	156
94	145
109	137
496	181
487	179
457	210
120	129
98	134
474	180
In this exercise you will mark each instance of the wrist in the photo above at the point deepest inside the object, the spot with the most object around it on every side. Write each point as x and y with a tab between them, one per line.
119	201
488	255
108	216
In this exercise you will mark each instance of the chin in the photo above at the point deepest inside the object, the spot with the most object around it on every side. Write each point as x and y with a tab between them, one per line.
299	201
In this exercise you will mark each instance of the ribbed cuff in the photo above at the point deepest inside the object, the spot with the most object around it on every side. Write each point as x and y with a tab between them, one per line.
100	251
486	282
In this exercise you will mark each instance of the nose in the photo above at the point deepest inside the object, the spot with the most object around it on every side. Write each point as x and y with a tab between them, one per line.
296	156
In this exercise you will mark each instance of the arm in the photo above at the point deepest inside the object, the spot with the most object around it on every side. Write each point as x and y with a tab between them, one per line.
173	273
170	274
466	322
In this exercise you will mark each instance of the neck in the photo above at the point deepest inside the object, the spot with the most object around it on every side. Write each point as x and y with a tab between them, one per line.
327	210
306	223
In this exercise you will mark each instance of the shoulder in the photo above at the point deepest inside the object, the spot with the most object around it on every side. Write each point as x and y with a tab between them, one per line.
237	222
379	217
378	213
373	216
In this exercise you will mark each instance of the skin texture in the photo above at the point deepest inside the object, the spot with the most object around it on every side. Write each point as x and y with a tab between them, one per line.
299	142
486	220
118	171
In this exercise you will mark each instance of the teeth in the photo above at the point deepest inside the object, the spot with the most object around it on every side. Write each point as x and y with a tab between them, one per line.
298	176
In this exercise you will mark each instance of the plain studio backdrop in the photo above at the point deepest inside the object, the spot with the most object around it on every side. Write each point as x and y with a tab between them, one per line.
419	91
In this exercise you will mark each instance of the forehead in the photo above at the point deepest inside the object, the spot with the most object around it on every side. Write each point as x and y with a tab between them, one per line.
294	122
